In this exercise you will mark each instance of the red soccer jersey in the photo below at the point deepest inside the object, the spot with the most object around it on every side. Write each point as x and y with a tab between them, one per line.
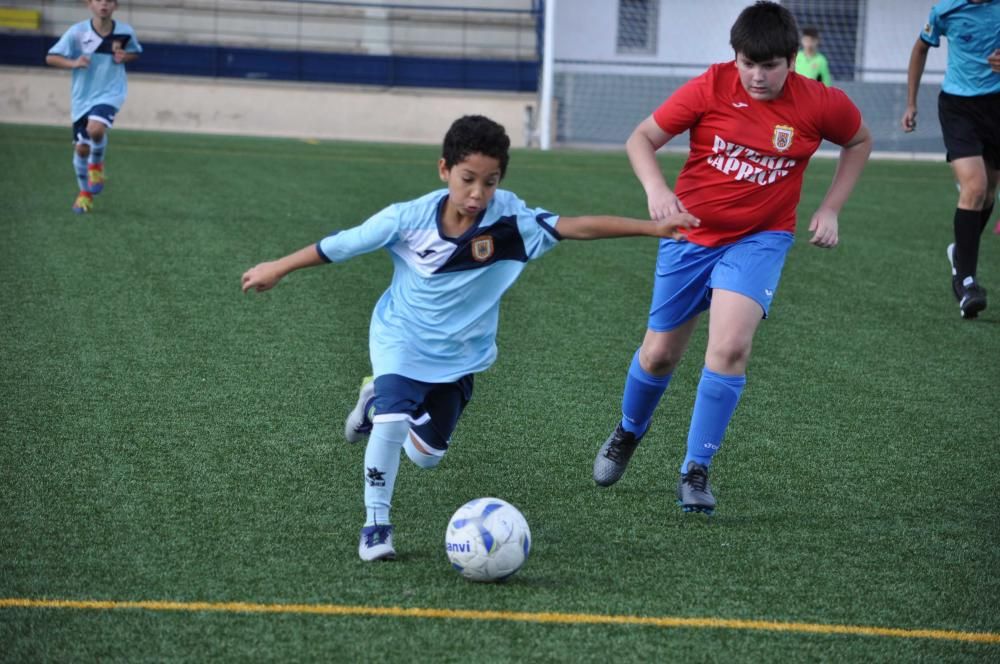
744	172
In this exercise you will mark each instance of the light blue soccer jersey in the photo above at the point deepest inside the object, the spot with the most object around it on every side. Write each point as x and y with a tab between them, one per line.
103	81
973	32
438	319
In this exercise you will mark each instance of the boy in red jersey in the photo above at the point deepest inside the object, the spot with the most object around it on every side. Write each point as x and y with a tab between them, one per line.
753	126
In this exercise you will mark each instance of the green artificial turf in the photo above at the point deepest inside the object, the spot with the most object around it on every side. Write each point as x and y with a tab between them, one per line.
165	437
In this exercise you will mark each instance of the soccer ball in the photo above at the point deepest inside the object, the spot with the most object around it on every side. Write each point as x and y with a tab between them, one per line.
487	540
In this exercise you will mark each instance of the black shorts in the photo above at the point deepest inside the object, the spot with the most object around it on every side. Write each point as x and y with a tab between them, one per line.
971	126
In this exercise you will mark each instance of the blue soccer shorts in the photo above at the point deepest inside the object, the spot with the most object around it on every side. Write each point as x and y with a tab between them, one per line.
432	409
103	113
686	273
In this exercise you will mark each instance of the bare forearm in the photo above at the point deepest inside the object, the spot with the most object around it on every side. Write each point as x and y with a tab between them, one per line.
595	227
307	256
60	62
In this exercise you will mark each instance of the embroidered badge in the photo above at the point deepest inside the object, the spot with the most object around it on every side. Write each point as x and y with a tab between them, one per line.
482	248
782	139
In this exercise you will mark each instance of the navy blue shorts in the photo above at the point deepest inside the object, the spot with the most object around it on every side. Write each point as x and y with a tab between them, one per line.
432	409
686	273
103	113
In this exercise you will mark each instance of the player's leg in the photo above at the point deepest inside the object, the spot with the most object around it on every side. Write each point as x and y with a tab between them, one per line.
744	283
647	379
680	293
99	121
397	401
962	127
973	181
81	151
430	435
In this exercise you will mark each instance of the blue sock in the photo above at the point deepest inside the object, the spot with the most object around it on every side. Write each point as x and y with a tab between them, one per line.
97	150
381	467
713	408
642	395
80	166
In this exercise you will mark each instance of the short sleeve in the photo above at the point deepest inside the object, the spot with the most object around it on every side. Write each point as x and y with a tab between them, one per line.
538	230
133	45
841	119
684	107
66	46
933	29
380	230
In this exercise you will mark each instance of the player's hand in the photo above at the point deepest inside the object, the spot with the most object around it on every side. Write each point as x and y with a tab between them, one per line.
81	62
118	56
261	277
994	60
824	227
909	121
663	204
674	225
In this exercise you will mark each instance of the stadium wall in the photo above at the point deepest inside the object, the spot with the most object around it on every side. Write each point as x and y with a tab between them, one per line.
33	95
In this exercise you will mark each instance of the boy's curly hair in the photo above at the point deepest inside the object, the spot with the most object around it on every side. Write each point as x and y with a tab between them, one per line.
471	134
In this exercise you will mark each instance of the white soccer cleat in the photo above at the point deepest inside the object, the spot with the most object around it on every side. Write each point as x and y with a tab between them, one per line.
359	421
376	543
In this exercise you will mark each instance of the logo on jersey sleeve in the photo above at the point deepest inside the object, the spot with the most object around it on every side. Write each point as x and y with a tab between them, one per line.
927	29
782	139
482	248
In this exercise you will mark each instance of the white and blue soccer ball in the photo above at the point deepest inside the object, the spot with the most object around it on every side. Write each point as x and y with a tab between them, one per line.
487	540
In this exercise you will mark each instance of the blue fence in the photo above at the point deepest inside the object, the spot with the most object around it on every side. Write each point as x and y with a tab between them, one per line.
256	63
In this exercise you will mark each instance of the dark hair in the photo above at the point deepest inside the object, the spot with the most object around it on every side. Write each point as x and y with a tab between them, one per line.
764	31
471	134
810	31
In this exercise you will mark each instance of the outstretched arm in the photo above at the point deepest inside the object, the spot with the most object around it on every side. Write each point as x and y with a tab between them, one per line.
918	60
597	227
264	276
853	157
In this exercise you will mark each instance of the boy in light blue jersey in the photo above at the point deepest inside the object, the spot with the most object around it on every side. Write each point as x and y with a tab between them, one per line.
455	251
97	51
969	112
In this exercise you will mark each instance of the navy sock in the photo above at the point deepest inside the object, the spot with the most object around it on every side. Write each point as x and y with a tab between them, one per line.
642	394
713	408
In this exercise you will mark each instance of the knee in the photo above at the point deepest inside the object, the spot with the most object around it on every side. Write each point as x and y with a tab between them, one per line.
727	358
96	131
420	452
83	149
972	195
658	361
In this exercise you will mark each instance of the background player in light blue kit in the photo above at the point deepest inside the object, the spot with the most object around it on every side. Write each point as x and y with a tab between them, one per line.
969	112
97	51
455	251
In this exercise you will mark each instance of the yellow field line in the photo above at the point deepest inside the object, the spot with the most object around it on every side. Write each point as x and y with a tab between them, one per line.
516	616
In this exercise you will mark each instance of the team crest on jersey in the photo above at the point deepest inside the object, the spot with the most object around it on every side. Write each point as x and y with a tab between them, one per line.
782	139
482	248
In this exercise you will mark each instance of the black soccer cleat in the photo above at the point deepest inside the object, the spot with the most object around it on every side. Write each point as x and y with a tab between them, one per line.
613	457
693	491
970	295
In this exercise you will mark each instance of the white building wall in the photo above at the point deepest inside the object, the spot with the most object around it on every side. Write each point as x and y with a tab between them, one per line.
891	27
